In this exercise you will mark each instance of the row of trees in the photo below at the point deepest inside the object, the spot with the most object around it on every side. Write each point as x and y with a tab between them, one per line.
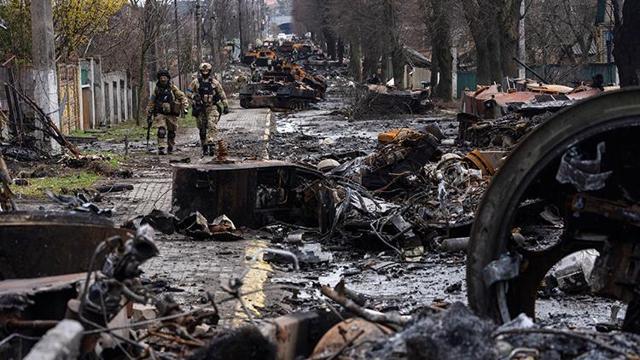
140	36
75	22
377	31
486	33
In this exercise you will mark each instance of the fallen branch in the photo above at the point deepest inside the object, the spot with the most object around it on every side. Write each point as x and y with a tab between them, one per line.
56	134
358	298
367	314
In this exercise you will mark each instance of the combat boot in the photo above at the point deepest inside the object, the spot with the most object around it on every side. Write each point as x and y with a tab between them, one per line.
170	149
211	150
205	150
161	151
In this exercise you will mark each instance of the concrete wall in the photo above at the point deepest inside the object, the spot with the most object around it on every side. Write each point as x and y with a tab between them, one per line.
415	76
111	93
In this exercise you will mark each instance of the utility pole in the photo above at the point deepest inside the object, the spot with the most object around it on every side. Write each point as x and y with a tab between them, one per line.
254	22
260	19
178	52
198	35
240	27
44	63
522	51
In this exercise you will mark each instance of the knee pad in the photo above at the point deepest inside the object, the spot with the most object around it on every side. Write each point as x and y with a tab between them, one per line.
162	132
171	135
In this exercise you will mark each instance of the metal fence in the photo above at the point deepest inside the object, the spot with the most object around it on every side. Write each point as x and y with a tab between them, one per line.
87	98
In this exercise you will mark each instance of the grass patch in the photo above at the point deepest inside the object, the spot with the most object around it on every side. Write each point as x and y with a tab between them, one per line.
116	133
115	159
129	129
189	121
82	134
36	187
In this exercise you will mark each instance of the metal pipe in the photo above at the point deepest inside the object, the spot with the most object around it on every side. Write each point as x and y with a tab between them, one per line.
531	70
31	324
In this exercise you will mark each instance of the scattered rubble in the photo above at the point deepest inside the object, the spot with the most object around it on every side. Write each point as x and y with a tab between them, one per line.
195	225
80	202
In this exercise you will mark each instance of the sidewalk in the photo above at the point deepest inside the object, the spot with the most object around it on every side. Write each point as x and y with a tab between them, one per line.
190	268
246	131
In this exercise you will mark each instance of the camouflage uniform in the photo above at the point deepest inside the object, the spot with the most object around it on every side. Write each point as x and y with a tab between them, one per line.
214	101
6	196
165	105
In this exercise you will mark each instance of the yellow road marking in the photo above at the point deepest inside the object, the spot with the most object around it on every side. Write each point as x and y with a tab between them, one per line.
254	280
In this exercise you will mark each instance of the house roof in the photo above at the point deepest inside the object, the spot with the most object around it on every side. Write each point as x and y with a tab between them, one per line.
416	58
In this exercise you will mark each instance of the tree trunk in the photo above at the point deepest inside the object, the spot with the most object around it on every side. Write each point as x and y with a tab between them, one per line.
340	50
483	73
481	17
330	40
490	11
627	44
355	64
435	68
495	56
441	53
139	93
394	43
371	61
398	62
445	62
508	16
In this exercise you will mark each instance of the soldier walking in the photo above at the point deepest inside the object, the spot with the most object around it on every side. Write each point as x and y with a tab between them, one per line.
209	102
167	102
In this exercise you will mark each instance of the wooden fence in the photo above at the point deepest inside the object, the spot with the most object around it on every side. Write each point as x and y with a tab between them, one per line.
69	98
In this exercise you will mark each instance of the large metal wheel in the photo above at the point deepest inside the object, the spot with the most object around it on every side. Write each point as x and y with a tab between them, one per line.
510	250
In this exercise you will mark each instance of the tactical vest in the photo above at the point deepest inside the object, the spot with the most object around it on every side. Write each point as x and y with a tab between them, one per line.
207	91
164	100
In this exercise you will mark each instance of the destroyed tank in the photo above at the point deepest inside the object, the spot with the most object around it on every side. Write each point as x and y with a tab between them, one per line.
294	96
569	186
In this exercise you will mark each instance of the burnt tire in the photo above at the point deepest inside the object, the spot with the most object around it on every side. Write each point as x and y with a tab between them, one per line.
491	229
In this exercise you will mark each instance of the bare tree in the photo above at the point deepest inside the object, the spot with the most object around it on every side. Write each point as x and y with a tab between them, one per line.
151	14
494	27
561	31
371	29
438	17
627	41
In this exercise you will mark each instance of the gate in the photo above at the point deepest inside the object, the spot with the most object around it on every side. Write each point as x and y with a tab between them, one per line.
69	98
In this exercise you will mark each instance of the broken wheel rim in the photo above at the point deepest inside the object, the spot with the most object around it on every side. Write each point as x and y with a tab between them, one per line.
491	236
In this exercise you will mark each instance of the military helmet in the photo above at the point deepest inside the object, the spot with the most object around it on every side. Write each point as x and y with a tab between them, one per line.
164	72
205	67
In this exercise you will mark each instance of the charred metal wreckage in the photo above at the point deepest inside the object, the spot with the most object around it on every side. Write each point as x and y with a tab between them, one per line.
499	116
569	186
282	79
